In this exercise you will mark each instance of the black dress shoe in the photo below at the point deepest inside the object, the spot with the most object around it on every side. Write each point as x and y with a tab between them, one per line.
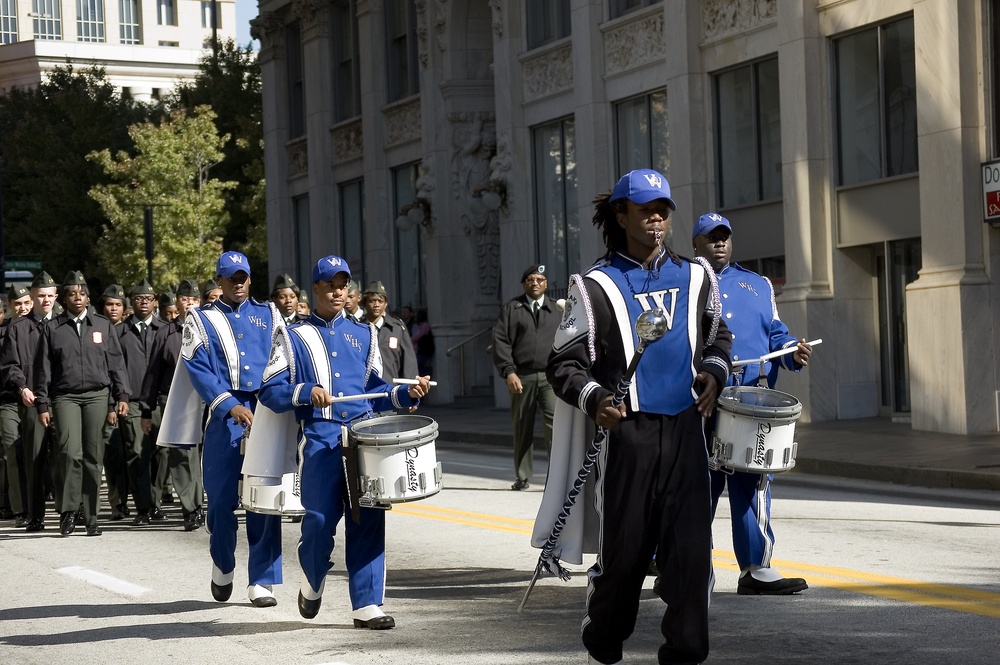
117	513
142	517
310	608
264	601
191	522
35	524
222	592
68	523
156	515
6	514
750	586
20	520
93	530
384	622
519	485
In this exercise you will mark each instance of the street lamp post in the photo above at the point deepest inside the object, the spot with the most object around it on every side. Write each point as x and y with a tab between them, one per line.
147	220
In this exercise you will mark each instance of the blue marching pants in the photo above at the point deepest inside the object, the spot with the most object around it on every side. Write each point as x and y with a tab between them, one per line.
322	481
750	505
221	466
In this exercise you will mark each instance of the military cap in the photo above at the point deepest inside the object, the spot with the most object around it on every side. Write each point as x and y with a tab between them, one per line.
534	269
189	288
17	292
376	288
42	280
143	288
353	286
207	288
114	292
284	282
303	296
165	299
74	278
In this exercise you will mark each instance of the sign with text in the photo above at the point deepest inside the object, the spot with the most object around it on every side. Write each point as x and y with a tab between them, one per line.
991	191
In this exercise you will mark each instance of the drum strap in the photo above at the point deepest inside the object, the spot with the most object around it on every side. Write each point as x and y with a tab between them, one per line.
352	486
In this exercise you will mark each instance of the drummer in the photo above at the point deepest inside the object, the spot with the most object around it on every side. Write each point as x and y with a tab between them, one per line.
749	310
331	354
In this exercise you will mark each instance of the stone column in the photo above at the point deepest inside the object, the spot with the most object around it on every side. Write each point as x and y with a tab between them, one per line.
951	354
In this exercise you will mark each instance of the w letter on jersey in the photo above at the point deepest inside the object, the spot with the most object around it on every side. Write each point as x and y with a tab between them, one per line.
657	298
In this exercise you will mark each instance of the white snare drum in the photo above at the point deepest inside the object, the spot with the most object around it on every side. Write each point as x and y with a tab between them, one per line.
269	499
755	430
397	461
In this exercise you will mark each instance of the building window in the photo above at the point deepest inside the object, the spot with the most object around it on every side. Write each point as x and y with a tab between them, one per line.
165	12
46	19
876	103
401	33
410	259
167	43
622	7
557	230
90	20
748	131
641	131
352	228
346	75
548	20
303	240
296	92
206	14
129	30
8	21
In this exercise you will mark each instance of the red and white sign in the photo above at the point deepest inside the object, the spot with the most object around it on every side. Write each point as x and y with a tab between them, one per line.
991	191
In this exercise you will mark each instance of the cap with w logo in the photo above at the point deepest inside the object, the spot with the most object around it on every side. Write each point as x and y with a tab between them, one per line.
231	263
643	186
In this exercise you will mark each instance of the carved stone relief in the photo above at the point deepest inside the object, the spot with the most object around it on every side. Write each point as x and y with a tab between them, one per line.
548	73
347	142
438	22
497	7
402	123
269	29
474	145
298	158
633	44
725	17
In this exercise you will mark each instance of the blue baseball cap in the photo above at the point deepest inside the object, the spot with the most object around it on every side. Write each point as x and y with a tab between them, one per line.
231	263
708	223
327	267
643	186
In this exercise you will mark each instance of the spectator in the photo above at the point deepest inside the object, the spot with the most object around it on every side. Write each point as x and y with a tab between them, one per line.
423	342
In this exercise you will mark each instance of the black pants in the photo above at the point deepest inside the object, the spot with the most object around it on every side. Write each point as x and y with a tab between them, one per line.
652	496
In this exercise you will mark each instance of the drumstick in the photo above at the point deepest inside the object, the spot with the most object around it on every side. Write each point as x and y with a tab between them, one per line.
776	354
411	382
358	398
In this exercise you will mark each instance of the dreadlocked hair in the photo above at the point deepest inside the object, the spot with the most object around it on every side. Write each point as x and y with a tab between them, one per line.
606	219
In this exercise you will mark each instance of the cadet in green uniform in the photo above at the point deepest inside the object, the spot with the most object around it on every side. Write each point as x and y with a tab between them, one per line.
184	463
79	365
112	306
285	296
136	338
18	371
13	482
399	360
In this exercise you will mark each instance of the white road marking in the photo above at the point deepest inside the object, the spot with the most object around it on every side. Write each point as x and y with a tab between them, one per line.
103	580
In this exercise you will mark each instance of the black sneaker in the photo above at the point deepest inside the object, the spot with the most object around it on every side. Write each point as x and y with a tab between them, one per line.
118	513
520	485
156	515
142	517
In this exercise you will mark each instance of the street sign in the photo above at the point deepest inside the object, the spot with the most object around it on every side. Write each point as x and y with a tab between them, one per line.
22	265
991	191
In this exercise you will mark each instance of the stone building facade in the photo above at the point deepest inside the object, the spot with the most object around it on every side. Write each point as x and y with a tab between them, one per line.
443	145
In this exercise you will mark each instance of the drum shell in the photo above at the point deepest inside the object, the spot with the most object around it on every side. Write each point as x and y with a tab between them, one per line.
397	459
755	430
262	495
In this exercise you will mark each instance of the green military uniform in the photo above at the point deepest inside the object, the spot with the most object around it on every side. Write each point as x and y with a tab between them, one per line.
115	460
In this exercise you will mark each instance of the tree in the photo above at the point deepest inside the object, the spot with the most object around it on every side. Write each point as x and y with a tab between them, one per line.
170	173
230	84
45	135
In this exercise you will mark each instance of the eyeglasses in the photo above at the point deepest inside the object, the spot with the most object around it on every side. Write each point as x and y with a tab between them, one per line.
143	298
535	280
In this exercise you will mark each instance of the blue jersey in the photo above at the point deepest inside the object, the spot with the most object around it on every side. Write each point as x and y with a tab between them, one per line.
748	309
340	356
225	349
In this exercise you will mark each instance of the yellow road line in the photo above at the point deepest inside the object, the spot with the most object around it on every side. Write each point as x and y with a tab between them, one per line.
927	594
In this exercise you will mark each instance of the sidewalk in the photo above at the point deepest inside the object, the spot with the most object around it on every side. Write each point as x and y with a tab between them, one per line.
868	449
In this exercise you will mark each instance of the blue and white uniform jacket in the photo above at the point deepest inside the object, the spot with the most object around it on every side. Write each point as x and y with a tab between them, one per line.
225	350
596	340
748	309
342	357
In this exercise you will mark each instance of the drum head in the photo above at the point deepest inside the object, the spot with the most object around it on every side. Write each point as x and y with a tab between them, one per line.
762	403
406	429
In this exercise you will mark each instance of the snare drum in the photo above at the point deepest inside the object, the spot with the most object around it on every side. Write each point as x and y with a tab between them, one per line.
755	430
397	461
260	495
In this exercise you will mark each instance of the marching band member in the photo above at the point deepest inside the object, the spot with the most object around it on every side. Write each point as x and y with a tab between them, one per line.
652	486
224	349
332	354
748	305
